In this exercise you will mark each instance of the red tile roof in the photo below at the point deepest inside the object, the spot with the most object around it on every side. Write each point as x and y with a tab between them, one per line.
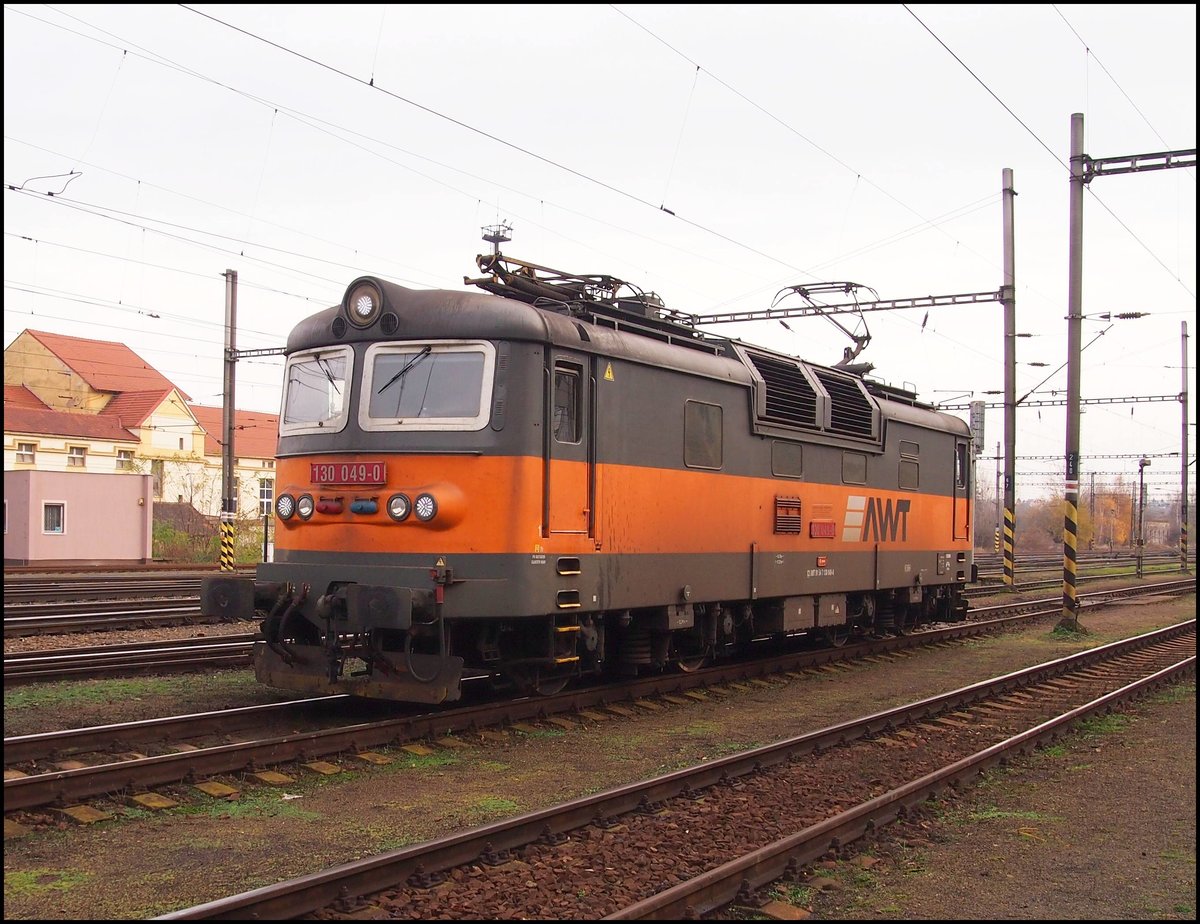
133	407
21	420
254	437
20	396
104	365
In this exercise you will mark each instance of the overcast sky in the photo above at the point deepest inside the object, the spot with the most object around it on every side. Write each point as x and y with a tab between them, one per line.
305	145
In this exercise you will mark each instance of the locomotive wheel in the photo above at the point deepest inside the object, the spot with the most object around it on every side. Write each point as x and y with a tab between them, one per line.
689	658
540	681
836	636
691	663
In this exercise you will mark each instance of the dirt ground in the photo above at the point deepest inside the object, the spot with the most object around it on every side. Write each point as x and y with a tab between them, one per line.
1102	826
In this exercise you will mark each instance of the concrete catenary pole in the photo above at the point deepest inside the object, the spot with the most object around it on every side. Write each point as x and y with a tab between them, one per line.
1070	607
228	499
1141	520
999	498
1010	379
1183	464
1092	511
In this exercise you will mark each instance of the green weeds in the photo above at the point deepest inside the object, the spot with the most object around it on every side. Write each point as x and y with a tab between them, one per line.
264	804
1100	725
492	807
1176	693
35	881
92	691
793	894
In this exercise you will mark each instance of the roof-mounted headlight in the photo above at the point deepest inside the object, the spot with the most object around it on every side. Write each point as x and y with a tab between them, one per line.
363	304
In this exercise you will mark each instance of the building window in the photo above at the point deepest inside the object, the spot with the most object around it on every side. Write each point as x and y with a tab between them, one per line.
76	456
54	518
266	497
25	452
125	460
181	442
270	463
156	473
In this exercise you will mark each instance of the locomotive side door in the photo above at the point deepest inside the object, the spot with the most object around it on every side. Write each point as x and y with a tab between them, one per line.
962	490
570	463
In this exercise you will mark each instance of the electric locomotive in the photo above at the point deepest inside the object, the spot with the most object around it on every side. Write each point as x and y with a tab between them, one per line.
558	479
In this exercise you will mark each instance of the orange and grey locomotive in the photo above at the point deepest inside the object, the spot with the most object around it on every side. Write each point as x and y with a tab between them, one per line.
553	480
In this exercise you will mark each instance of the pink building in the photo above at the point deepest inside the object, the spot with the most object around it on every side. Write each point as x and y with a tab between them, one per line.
77	517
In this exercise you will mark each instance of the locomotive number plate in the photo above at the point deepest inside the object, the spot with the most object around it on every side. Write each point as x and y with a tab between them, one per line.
349	473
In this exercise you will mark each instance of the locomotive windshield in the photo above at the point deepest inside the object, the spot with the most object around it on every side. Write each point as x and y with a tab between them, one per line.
427	386
315	395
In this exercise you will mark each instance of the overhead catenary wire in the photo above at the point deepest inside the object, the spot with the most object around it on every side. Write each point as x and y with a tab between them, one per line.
1007	109
161	266
509	144
365	49
1093	56
312	122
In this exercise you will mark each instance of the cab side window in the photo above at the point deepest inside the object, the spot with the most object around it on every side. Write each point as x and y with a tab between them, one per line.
566	403
703	437
960	465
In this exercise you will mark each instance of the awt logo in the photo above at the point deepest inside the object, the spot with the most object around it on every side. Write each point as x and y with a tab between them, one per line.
873	519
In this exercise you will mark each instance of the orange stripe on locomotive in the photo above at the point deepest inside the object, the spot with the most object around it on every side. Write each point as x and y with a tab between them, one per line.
491	504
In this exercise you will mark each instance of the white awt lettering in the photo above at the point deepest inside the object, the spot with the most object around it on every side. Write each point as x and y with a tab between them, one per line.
873	519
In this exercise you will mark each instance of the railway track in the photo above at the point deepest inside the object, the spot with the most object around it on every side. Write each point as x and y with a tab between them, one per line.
30	587
991	570
97	606
68	618
984	589
632	852
129	658
18	596
80	603
106	763
234	650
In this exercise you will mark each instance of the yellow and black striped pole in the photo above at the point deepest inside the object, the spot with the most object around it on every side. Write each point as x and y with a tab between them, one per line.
1070	542
226	541
1010	569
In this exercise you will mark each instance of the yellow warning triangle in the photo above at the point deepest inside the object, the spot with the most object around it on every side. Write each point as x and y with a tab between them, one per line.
608	376
441	563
